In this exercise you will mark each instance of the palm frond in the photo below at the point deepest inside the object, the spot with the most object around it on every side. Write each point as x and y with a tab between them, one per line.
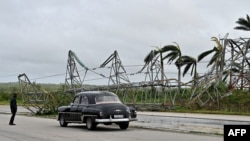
171	57
178	63
189	62
150	56
216	40
169	48
204	54
244	24
212	60
186	69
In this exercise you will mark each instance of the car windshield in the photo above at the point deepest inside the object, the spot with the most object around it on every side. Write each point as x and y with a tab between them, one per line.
107	99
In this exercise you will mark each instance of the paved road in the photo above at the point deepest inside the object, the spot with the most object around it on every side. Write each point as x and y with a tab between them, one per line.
43	129
187	122
181	122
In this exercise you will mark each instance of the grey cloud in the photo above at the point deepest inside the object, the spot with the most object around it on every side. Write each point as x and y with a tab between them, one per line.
37	35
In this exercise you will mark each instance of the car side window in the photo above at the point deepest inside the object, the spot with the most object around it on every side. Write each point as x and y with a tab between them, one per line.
77	100
84	100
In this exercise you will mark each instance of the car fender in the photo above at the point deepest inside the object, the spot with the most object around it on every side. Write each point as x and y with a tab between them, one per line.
89	112
133	112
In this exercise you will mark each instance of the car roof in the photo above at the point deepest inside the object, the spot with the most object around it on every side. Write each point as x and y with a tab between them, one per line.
95	93
92	94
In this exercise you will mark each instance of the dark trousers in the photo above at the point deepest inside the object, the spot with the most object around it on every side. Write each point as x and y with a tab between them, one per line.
12	118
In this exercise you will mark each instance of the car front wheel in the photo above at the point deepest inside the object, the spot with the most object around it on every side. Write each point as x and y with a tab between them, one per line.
90	123
62	121
124	125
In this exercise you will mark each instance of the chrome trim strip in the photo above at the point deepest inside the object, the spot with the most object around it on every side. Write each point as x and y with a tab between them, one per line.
111	120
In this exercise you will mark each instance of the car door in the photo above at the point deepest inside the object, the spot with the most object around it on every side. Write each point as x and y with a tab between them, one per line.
83	104
74	108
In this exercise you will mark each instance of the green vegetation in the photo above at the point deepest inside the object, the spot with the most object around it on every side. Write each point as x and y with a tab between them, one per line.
54	95
237	103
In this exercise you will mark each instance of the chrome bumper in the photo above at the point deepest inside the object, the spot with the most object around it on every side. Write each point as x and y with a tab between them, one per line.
115	120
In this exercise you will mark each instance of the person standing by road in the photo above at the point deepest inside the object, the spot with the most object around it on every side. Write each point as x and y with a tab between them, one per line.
13	108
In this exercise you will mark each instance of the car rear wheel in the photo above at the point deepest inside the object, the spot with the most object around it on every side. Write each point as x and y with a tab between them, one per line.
124	125
62	121
90	123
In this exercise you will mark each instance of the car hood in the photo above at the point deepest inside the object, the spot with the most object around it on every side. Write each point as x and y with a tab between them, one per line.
63	108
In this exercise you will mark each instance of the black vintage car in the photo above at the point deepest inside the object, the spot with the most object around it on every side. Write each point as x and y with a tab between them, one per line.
96	107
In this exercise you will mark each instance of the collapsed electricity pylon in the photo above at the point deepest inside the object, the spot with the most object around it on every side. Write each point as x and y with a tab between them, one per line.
118	75
157	88
33	100
239	68
233	70
73	81
235	57
118	78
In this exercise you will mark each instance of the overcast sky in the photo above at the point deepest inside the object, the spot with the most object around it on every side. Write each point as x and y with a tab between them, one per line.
36	35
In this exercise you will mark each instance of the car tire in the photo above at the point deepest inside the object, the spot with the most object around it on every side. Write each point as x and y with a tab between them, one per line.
62	121
124	125
90	124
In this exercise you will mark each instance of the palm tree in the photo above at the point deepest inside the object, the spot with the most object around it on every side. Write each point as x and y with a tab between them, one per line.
174	55
218	58
151	56
189	62
244	24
